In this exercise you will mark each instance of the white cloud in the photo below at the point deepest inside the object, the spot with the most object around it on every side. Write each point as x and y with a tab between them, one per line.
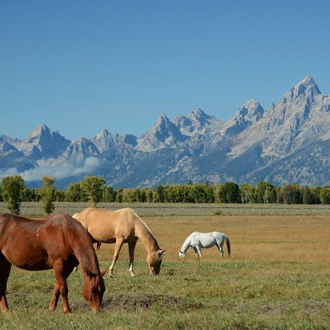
55	171
8	172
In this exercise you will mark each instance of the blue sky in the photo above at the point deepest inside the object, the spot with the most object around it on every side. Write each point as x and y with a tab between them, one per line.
81	66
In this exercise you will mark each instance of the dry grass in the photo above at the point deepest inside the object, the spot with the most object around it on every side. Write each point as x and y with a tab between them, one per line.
253	238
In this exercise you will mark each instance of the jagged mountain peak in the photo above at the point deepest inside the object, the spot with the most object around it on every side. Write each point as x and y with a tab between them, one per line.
248	114
162	134
39	131
198	114
161	123
106	140
162	119
252	110
197	122
43	141
163	126
104	132
306	87
307	80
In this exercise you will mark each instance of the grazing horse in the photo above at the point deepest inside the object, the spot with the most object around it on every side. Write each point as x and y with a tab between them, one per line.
119	227
198	241
57	242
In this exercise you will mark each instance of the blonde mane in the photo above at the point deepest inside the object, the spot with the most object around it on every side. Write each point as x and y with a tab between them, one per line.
146	226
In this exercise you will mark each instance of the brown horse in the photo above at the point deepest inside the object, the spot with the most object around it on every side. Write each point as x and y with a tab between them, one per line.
122	226
57	242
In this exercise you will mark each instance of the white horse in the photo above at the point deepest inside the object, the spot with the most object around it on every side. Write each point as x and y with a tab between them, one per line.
198	241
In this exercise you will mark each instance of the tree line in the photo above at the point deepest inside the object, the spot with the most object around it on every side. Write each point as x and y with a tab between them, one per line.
94	190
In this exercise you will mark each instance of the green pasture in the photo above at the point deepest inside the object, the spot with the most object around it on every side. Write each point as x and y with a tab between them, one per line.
278	277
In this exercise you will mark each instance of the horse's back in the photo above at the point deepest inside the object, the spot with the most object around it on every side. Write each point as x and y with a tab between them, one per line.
102	224
56	227
106	225
33	244
103	216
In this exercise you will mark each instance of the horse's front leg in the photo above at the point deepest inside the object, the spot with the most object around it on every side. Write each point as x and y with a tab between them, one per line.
131	248
60	287
5	267
56	294
198	252
118	245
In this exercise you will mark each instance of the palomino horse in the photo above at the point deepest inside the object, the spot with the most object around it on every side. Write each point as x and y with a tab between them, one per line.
198	241
119	227
57	242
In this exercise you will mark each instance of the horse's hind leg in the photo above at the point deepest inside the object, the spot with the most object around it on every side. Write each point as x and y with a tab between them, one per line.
5	267
220	249
131	248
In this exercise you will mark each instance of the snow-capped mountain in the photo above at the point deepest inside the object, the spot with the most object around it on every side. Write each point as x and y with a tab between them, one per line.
289	142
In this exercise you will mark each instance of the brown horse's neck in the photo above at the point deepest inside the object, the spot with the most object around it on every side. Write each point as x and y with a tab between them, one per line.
87	259
144	233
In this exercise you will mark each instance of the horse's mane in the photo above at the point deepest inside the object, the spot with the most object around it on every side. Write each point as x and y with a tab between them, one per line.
88	264
146	226
186	241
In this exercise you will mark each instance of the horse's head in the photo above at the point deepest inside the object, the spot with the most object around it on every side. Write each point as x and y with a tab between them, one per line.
93	290
181	254
154	261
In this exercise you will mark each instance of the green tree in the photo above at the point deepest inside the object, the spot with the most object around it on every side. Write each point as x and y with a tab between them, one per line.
291	194
59	195
265	192
247	193
109	194
47	192
315	191
231	193
150	194
307	197
129	195
160	194
12	192
219	193
119	195
74	193
93	187
31	195
325	195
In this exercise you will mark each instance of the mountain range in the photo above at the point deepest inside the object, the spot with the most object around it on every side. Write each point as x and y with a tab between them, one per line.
287	143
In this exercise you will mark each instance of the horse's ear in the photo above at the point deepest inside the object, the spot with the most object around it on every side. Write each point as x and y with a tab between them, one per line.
161	251
104	272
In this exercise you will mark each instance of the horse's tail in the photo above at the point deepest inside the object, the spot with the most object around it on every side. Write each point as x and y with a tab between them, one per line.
228	243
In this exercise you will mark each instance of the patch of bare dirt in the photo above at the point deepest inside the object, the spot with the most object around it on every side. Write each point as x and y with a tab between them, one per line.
134	302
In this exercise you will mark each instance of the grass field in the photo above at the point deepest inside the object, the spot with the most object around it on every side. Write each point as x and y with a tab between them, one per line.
278	276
